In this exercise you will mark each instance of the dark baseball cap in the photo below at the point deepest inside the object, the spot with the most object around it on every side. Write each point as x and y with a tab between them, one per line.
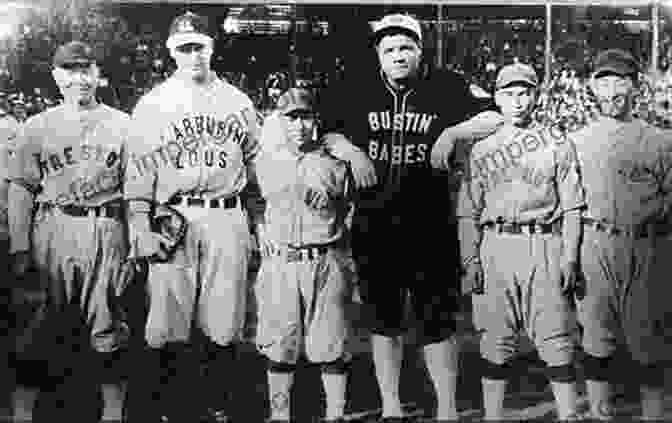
188	28
615	61
74	53
296	99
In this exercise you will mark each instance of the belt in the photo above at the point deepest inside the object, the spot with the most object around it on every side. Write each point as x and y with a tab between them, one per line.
631	231
293	254
531	228
218	203
112	210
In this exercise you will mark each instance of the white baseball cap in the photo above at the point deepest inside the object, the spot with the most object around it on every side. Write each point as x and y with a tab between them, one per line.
397	22
188	28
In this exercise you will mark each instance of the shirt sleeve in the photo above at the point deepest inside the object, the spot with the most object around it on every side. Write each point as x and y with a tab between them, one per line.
469	104
251	146
570	187
663	169
471	196
251	194
142	159
25	178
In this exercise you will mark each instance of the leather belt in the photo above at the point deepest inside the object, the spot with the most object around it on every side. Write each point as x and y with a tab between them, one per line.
532	228
293	254
111	210
218	203
631	231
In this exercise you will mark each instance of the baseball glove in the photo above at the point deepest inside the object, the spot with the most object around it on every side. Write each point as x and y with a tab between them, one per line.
169	224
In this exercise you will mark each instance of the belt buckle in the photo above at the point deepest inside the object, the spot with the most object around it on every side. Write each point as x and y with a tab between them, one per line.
195	201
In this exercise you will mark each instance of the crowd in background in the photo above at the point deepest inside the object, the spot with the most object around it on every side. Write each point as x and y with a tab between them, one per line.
136	60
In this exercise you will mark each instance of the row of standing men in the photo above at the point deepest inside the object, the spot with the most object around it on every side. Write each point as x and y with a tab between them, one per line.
541	223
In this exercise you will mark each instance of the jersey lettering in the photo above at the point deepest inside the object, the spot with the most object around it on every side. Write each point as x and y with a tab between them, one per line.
400	154
189	138
209	157
410	122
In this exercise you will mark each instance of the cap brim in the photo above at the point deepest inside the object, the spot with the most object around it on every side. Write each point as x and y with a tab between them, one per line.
613	70
296	108
177	40
521	81
392	30
73	63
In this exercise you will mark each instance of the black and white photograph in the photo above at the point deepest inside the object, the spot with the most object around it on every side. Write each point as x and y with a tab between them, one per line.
204	220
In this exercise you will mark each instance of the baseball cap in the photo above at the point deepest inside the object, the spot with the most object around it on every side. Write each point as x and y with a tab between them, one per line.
188	28
74	53
395	23
516	73
615	61
296	99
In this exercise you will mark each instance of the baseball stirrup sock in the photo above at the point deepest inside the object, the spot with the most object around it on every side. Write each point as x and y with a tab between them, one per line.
279	392
493	398
653	402
566	396
335	391
387	356
442	360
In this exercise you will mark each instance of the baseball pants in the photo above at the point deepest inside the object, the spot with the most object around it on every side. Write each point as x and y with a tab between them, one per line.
205	283
391	272
523	297
302	307
81	263
627	296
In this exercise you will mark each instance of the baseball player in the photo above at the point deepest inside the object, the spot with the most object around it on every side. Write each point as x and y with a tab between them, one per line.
626	168
305	279
393	117
8	130
195	142
519	232
67	220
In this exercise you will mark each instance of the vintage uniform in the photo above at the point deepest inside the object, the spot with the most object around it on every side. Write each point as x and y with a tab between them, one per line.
521	182
303	289
398	130
196	154
627	172
74	163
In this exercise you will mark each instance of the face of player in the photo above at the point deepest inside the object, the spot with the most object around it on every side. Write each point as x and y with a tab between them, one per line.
516	103
78	83
614	95
399	57
299	127
193	60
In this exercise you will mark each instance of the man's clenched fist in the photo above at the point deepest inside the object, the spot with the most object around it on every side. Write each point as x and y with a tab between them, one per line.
363	171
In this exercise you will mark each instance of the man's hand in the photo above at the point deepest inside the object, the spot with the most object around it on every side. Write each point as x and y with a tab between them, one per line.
145	243
267	247
472	278
21	263
442	151
316	199
363	171
150	245
569	277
